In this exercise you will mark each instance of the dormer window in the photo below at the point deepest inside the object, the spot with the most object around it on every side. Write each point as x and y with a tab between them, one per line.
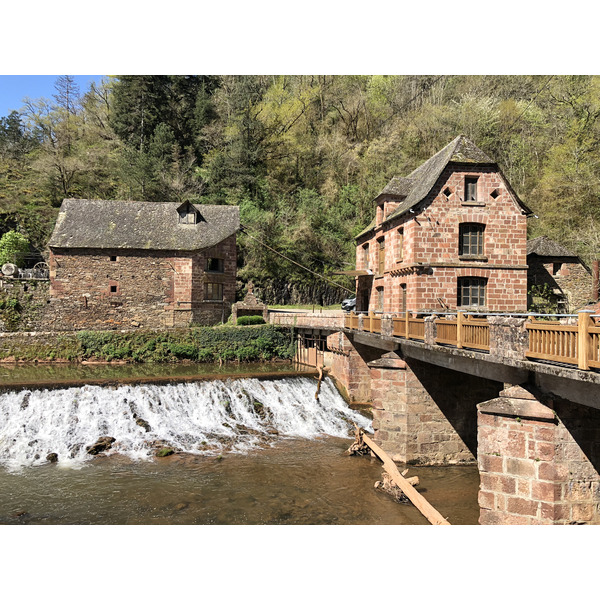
188	214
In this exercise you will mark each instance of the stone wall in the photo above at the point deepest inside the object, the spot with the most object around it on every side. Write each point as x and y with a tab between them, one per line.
116	289
32	297
426	415
539	458
429	263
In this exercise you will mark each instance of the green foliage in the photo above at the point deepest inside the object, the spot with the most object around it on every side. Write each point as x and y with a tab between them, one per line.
201	344
542	299
250	320
303	156
13	248
10	312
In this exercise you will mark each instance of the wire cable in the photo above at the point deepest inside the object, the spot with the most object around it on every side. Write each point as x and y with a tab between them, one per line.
244	230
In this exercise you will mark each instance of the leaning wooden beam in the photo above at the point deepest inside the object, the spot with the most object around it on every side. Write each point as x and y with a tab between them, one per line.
432	515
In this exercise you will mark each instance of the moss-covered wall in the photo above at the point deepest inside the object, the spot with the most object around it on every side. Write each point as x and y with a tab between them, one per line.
22	303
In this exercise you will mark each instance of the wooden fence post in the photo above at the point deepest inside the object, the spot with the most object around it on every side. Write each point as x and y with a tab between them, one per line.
459	336
583	340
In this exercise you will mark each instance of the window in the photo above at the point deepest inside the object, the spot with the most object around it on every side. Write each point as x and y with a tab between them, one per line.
471	291
403	297
213	291
113	289
400	247
216	265
366	255
470	189
556	267
381	251
113	259
470	239
187	216
380	299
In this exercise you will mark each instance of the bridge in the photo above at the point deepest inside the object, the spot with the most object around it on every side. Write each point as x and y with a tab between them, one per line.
517	394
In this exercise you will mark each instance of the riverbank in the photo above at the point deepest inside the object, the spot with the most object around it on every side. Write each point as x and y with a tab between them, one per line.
197	345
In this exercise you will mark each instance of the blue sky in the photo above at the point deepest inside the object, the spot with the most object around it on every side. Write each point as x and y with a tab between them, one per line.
13	88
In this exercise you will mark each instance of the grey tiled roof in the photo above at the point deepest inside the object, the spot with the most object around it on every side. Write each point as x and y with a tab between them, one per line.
419	183
544	246
140	225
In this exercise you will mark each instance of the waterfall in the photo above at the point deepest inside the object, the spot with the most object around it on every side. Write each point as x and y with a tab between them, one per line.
209	417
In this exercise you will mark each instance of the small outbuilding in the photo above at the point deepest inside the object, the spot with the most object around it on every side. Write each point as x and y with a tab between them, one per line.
557	277
116	264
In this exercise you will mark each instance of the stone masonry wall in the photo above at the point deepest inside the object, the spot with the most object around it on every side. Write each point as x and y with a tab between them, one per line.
115	289
424	414
539	459
572	278
431	239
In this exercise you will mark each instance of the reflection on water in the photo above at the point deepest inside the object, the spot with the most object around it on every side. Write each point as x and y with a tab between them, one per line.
295	482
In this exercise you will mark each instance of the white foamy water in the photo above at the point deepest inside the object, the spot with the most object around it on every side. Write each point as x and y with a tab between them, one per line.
203	417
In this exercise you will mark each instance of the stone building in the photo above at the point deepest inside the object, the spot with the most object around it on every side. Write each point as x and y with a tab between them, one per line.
119	264
450	235
557	277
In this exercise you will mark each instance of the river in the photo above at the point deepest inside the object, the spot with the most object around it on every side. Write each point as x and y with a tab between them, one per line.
248	451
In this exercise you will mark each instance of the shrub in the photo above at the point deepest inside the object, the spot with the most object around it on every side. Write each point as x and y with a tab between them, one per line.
251	320
13	247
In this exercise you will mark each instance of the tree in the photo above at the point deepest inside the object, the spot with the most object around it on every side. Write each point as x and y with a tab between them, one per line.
13	248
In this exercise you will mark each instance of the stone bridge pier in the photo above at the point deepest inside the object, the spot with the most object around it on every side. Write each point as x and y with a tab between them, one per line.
538	454
539	459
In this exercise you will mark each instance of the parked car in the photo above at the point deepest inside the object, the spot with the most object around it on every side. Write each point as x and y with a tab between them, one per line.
349	304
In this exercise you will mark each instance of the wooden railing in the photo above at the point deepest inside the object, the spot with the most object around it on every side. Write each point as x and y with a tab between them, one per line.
465	331
577	344
574	344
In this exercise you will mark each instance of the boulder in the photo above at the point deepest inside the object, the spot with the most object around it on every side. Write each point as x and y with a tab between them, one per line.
143	424
164	452
103	444
52	457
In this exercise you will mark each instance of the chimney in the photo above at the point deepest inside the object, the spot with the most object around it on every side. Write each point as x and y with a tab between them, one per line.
595	280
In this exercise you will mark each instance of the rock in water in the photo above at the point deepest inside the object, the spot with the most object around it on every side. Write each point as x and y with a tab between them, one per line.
52	457
143	424
164	452
103	444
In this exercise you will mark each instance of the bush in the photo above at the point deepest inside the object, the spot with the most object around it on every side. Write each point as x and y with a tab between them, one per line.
251	320
13	247
201	344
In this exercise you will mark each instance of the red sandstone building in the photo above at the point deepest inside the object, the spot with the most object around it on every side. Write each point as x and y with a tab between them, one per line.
141	264
451	235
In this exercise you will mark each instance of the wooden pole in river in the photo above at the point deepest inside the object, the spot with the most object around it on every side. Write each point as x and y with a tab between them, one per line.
430	513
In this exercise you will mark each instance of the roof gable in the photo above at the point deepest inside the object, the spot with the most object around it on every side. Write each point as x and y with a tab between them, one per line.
140	225
461	150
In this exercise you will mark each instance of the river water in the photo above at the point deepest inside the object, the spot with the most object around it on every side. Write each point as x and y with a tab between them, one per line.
248	451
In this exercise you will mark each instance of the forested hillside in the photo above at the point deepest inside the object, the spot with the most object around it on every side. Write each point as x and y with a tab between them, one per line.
303	156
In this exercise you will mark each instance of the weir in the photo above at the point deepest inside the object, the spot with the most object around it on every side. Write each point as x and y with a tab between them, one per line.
203	418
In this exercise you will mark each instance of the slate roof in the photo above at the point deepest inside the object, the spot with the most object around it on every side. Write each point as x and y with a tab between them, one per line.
140	225
419	183
544	246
